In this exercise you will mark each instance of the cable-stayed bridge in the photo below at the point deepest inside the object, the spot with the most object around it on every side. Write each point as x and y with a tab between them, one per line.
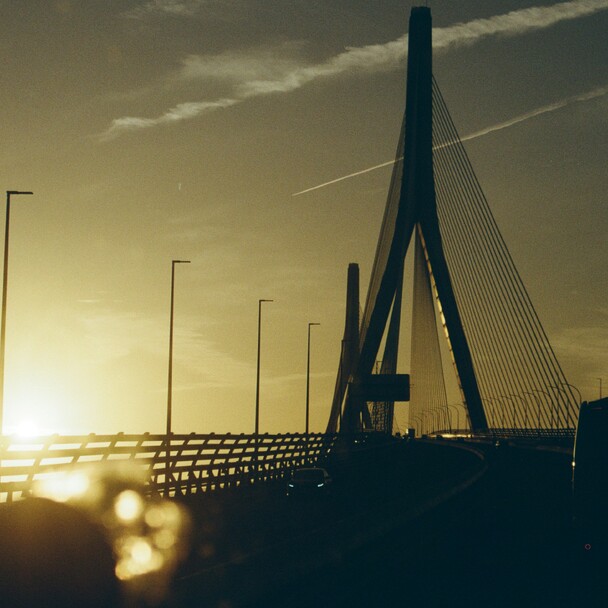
466	292
467	295
400	510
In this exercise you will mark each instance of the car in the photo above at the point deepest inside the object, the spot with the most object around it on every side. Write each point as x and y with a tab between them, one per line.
309	481
590	480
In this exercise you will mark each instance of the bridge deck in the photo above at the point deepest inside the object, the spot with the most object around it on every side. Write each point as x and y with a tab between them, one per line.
503	541
433	523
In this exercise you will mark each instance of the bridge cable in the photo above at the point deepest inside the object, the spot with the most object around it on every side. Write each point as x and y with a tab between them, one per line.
499	339
451	192
525	327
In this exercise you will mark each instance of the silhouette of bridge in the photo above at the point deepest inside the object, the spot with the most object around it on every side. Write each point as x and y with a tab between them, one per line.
465	286
467	296
466	292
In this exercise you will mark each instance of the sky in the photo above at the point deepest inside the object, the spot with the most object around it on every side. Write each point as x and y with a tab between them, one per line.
152	130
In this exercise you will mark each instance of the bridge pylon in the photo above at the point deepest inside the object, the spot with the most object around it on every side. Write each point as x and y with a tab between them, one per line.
411	208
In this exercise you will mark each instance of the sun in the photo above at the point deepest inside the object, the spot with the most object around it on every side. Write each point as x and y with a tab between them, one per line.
27	428
31	410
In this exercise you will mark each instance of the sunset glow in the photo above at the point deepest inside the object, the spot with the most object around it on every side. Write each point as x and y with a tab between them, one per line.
137	157
192	186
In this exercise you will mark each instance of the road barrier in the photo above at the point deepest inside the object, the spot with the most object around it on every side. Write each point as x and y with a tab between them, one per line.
193	463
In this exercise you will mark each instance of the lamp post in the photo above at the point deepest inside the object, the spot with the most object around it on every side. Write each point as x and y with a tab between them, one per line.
419	420
502	414
445	414
170	373
308	376
435	413
580	398
448	406
565	392
561	390
535	397
425	425
442	419
257	391
511	399
511	396
458	406
550	403
257	383
9	193
500	421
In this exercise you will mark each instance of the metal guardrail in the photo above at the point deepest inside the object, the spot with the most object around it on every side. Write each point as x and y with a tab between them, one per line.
505	433
192	464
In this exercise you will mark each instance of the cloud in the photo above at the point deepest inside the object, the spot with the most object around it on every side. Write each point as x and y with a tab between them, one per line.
261	73
236	67
552	107
371	58
514	23
182	111
173	8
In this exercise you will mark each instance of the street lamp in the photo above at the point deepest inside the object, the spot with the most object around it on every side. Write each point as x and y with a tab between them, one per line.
308	376
570	386
457	415
425	425
419	420
257	383
535	397
170	373
580	397
9	193
511	396
435	414
449	416
445	415
549	401
502	413
514	405
496	419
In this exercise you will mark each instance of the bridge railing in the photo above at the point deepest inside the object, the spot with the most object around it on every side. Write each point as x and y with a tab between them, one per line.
192	463
506	433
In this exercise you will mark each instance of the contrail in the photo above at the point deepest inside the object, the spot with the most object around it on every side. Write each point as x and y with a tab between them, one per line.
557	105
552	107
339	179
